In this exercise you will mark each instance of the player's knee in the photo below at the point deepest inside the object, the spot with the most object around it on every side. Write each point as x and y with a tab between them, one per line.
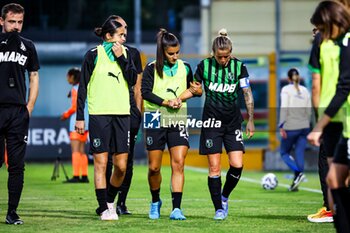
332	182
120	171
214	171
15	168
154	170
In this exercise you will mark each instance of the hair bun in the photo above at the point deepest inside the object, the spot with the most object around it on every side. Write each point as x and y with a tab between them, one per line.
223	32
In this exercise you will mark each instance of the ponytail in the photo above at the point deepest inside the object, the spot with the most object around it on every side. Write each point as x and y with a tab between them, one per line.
291	74
164	39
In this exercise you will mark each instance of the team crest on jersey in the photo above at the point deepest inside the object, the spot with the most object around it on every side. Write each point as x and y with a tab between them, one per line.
231	76
149	141
96	142
209	143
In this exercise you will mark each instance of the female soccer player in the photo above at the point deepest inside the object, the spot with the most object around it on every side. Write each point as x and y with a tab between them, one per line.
107	72
222	76
324	65
80	161
295	113
166	84
332	20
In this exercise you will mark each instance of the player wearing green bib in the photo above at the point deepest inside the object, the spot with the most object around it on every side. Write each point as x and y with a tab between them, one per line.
332	19
107	73
166	85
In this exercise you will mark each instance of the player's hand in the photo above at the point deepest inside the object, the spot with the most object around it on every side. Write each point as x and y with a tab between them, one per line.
174	103
80	127
117	49
314	137
250	129
30	110
63	118
283	133
195	88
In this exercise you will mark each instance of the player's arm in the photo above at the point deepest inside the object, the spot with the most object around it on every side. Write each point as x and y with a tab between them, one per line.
249	103
248	99
33	90
128	68
193	88
316	90
147	87
86	72
137	87
137	92
284	97
315	69
73	108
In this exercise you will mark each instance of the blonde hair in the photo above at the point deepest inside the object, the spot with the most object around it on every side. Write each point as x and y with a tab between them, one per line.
222	41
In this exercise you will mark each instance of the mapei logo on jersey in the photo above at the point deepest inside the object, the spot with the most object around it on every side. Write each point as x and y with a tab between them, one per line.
151	120
13	57
222	87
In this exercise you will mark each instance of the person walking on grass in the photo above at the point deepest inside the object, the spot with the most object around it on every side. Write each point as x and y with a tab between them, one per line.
166	85
332	20
324	66
223	76
107	73
18	56
135	120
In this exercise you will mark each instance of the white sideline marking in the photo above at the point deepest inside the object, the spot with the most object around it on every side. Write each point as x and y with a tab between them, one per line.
202	170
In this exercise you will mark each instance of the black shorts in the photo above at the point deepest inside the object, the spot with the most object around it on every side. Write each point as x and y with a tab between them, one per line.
342	155
211	140
330	137
109	133
172	136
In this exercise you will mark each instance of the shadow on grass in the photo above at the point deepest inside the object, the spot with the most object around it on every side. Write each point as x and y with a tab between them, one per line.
273	217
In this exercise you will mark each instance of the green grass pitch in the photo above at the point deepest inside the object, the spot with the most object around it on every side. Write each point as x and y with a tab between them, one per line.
52	206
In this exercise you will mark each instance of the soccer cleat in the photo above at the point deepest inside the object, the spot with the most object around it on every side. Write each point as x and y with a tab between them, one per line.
122	210
322	215
111	207
98	211
108	215
220	215
177	214
75	179
154	212
225	206
84	179
297	180
13	218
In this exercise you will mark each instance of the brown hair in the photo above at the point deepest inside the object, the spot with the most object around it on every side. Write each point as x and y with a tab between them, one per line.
164	39
329	13
75	72
109	26
346	3
11	7
291	73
